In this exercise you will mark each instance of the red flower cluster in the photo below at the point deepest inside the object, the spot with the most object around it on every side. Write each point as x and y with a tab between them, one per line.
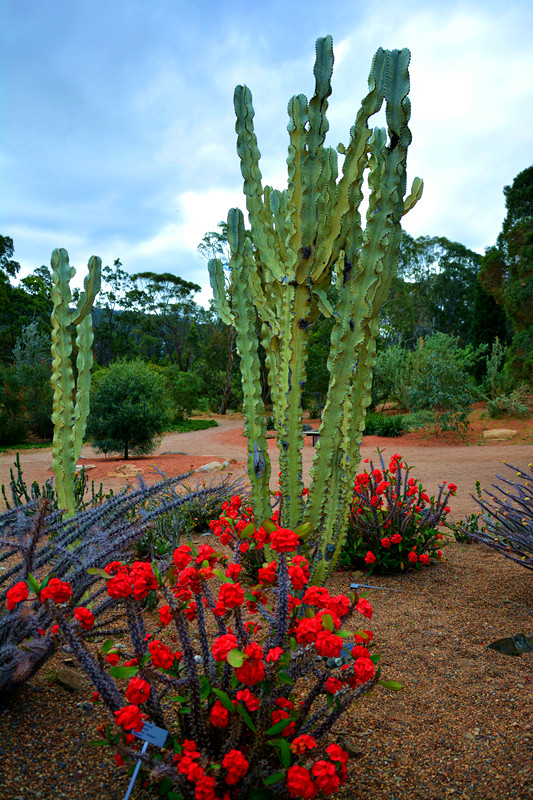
130	718
137	580
84	617
16	594
56	590
324	776
138	691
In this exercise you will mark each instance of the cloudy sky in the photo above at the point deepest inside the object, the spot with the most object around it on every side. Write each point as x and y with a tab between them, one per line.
118	125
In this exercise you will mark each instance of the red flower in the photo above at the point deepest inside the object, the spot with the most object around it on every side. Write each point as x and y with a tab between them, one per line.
364	608
236	765
424	558
267	574
452	487
84	617
58	591
205	788
412	556
328	645
129	717
233	571
182	556
317	596
304	742
138	691
300	783
222	645
333	685
219	716
164	615
16	594
230	595
385	542
162	656
307	629
370	557
119	586
299	577
339	605
336	753
280	714
112	658
325	776
274	654
396	539
283	540
364	670
251	701
252	671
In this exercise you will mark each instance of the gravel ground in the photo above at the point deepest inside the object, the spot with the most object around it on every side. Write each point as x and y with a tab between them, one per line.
461	729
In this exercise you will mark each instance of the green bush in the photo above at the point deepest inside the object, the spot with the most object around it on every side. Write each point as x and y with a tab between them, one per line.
391	376
382	425
185	390
33	365
13	419
440	381
129	408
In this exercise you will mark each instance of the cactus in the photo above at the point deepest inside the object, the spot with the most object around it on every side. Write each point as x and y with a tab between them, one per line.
303	240
71	400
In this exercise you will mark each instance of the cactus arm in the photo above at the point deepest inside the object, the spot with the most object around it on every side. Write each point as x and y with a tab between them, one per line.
416	193
298	118
84	362
216	279
91	287
244	321
62	380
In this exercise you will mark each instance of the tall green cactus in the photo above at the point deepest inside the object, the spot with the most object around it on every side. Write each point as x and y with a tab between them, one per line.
303	240
71	400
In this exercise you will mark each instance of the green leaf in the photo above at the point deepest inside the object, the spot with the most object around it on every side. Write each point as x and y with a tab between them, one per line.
99	743
221	575
362	634
101	572
184	710
107	645
269	526
235	658
205	688
278	727
284	750
327	622
344	634
123	672
248	529
246	717
394	686
165	786
375	658
179	699
284	678
34	585
174	796
224	699
275	778
292	643
303	530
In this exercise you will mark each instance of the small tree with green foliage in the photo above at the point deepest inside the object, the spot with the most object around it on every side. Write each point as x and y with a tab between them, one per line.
129	409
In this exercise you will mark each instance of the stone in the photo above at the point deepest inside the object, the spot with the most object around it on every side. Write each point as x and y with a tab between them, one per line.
86	467
270	435
499	434
212	465
70	679
125	471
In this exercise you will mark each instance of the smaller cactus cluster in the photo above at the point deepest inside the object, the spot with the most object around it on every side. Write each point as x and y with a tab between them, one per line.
508	518
37	544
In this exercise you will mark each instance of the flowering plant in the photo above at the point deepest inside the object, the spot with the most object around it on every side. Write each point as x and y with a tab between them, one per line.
243	667
393	521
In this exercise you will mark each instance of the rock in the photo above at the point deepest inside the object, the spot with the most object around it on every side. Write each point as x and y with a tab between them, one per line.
212	465
125	471
86	467
270	435
70	679
500	434
513	645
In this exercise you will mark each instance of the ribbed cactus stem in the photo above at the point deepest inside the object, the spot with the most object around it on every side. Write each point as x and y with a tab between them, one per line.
302	241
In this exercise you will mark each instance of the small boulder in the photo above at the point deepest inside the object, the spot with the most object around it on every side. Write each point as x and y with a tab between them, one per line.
212	465
499	434
125	471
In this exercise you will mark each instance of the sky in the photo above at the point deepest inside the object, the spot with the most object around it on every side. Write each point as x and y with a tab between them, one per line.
118	138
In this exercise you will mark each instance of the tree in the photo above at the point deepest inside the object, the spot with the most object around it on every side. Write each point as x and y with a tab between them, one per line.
129	408
507	271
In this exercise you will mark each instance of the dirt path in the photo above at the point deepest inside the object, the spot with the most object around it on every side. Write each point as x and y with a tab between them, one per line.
435	459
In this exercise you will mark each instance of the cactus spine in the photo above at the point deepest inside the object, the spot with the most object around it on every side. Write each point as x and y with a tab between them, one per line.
71	400
306	239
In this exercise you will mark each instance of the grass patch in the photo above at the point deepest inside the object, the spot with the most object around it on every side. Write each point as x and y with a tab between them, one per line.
378	424
11	448
190	425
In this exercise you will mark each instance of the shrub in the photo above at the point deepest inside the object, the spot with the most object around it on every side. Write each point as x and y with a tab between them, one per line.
497	389
393	521
185	391
255	703
391	376
129	409
440	382
464	529
36	541
509	519
13	418
378	424
33	365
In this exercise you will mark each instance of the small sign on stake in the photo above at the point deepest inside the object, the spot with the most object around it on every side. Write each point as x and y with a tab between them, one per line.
150	734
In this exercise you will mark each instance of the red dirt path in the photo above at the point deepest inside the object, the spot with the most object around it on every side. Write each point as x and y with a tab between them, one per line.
434	459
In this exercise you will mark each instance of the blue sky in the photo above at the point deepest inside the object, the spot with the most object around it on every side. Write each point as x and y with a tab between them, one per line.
118	125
